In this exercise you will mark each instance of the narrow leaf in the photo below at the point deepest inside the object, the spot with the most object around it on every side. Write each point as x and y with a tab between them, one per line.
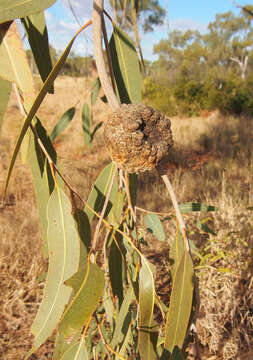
36	31
191	206
86	123
147	328
154	225
116	269
63	244
36	104
62	123
77	351
176	252
178	316
98	193
88	286
125	67
95	90
5	90
10	10
62	345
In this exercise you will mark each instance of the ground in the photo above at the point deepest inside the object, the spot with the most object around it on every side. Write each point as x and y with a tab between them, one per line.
211	162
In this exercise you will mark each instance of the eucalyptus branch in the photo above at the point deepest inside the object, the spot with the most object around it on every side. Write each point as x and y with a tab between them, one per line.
98	52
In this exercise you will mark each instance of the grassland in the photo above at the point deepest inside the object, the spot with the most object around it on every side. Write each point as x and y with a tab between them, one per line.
212	162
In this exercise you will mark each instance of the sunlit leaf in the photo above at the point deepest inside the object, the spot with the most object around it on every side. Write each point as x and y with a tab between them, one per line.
147	328
10	10
191	206
178	316
77	351
62	344
99	190
5	90
88	284
62	123
36	31
36	104
176	252
154	225
63	245
125	67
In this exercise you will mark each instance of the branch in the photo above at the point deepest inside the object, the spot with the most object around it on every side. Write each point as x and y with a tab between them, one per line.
98	52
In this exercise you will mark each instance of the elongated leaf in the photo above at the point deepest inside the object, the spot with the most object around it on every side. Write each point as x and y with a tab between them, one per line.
116	269
88	286
98	193
5	90
77	351
62	345
64	247
154	225
95	90
36	104
176	252
147	328
10	10
191	206
62	123
125	67
178	316
86	123
121	327
36	31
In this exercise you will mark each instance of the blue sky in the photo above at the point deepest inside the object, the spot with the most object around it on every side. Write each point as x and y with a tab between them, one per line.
182	15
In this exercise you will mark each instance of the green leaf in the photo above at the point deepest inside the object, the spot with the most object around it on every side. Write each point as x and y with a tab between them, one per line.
64	248
36	31
121	323
5	90
206	229
147	328
178	316
62	123
125	67
77	351
36	104
83	228
95	90
88	286
154	225
86	123
10	10
116	266
62	345
99	190
191	206
176	253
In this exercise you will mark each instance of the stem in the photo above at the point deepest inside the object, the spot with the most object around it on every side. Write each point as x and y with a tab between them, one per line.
177	210
98	6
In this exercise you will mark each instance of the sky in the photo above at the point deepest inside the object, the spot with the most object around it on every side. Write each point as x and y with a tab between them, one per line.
182	15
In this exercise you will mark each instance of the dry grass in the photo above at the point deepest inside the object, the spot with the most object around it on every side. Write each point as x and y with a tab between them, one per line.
211	162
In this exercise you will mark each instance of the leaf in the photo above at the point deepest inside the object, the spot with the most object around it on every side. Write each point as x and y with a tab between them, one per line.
36	31
206	229
121	325
147	329
61	345
95	90
154	225
36	104
10	10
88	286
125	67
116	266
99	190
191	206
77	351
178	316
5	90
86	123
63	244
62	123
176	252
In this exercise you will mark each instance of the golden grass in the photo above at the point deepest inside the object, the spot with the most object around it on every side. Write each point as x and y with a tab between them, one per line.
212	162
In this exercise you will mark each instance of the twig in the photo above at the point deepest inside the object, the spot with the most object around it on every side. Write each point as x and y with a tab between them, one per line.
104	209
97	13
177	210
